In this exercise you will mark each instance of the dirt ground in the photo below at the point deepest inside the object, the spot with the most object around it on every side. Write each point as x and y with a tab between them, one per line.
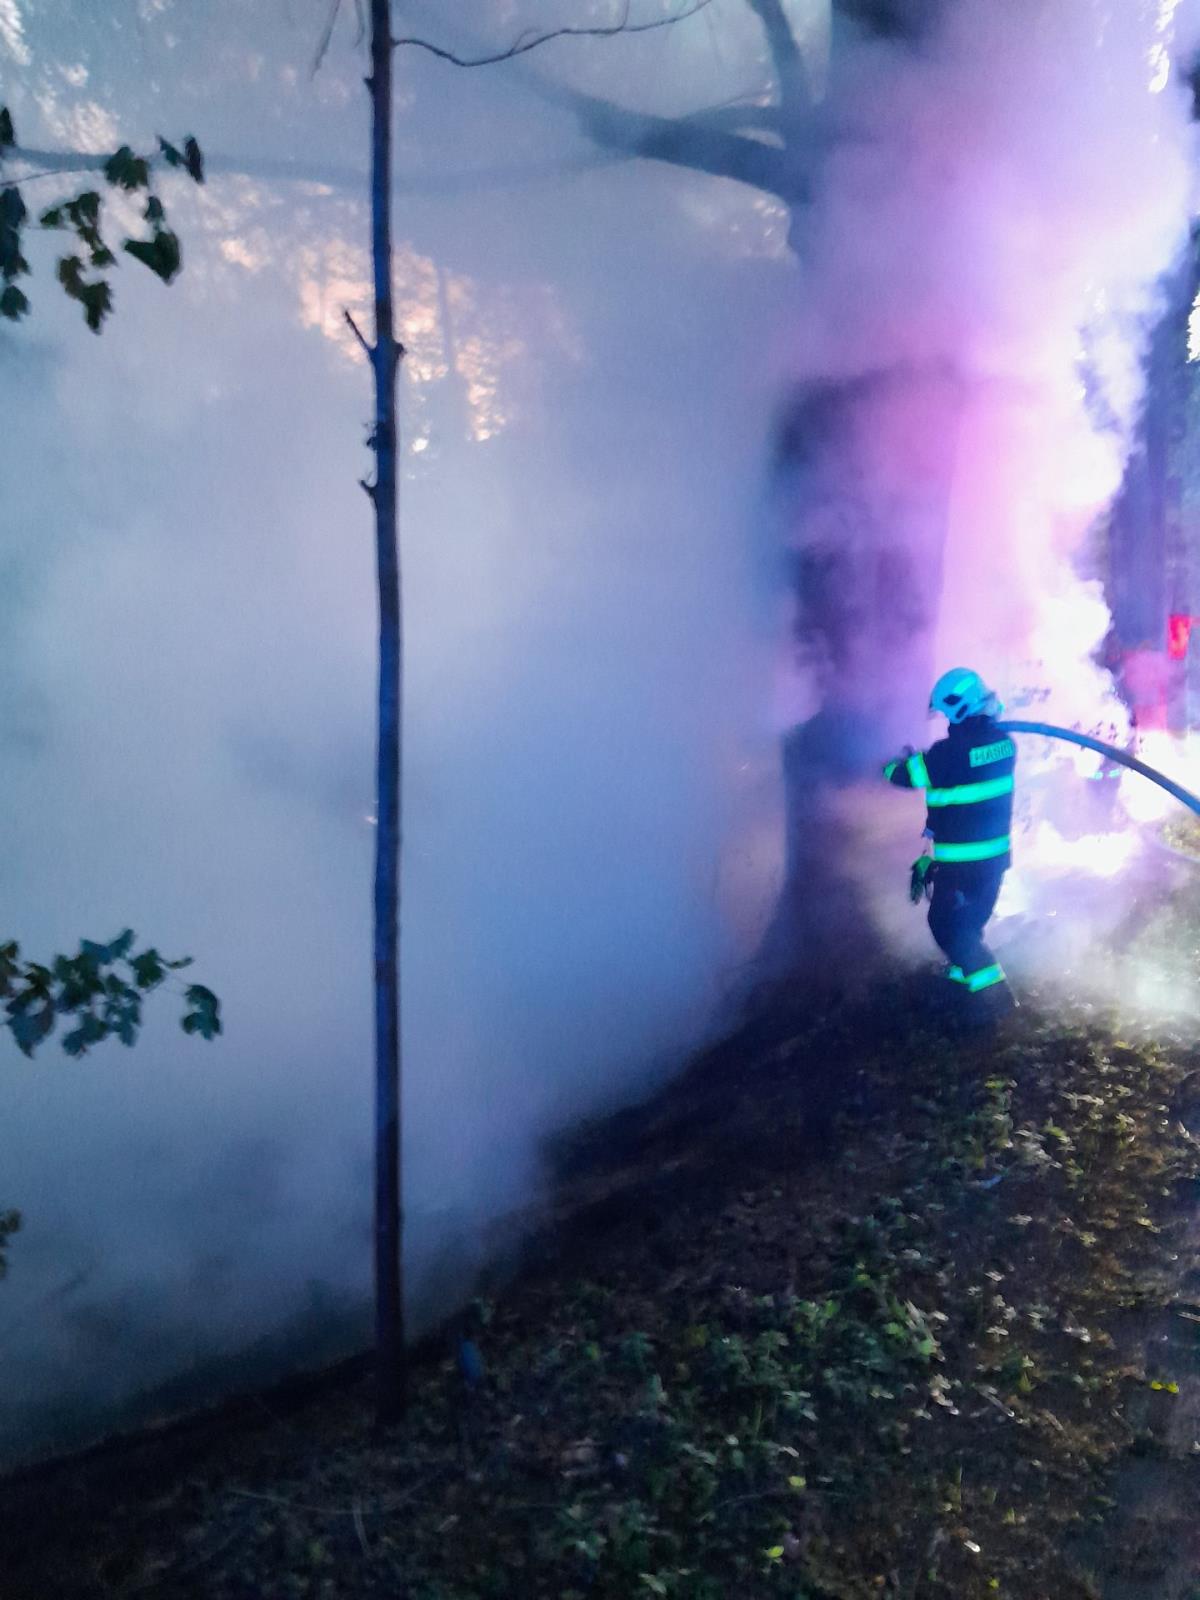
855	1308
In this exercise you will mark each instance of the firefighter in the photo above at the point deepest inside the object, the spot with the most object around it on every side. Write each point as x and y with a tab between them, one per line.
968	782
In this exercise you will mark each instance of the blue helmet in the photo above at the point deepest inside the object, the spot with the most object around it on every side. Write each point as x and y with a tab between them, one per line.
961	693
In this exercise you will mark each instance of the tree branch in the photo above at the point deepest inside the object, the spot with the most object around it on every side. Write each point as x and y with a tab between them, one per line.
32	177
787	58
349	178
368	349
327	32
699	148
701	143
533	42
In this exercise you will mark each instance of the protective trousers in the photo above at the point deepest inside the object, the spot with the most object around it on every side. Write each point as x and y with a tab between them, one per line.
964	897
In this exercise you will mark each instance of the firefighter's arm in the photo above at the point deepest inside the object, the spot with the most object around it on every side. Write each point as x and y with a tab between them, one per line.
908	770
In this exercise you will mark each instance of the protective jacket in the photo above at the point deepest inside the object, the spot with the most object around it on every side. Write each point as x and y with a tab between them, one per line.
968	782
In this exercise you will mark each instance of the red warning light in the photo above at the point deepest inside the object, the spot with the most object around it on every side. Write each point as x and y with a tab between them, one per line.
1179	629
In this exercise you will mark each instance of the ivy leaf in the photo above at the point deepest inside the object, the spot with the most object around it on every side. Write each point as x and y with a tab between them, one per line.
13	304
193	159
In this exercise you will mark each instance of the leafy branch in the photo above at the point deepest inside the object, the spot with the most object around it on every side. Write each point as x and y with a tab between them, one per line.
101	988
81	272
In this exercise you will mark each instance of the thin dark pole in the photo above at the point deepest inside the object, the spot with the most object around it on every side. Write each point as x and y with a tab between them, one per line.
385	359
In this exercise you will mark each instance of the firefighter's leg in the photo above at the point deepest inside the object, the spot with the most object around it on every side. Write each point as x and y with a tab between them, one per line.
950	922
946	919
986	992
963	901
980	969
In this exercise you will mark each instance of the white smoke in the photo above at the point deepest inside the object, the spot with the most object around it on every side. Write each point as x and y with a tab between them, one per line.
593	833
187	718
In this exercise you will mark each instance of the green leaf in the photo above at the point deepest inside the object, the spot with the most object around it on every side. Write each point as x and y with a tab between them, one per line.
13	304
204	1017
124	170
103	1002
154	209
161	254
12	207
9	953
97	303
170	253
30	1027
145	251
170	154
70	275
39	982
91	1030
8	137
193	159
149	969
12	217
52	218
85	208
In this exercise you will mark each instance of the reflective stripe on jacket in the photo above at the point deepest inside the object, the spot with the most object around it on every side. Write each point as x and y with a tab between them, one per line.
968	783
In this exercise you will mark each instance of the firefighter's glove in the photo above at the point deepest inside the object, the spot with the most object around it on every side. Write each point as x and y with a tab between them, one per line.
919	884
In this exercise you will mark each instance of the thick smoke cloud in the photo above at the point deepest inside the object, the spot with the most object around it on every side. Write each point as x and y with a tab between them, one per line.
1005	191
592	831
624	397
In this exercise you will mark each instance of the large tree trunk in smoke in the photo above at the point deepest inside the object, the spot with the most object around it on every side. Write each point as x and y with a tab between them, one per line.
863	475
385	357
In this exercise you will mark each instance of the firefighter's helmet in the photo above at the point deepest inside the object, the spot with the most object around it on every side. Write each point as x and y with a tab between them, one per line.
961	693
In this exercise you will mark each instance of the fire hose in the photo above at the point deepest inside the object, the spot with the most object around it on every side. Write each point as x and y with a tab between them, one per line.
921	880
1047	730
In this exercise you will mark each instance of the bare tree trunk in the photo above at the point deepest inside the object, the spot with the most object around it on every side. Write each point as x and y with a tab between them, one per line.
385	358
